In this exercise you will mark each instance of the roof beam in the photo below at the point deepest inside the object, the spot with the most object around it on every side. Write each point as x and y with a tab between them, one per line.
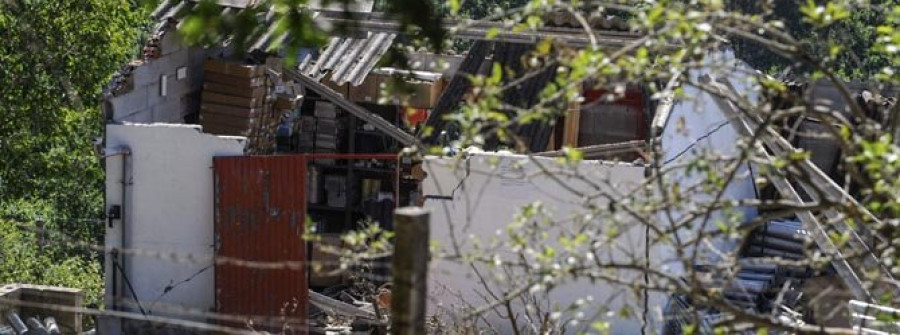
862	260
478	30
327	93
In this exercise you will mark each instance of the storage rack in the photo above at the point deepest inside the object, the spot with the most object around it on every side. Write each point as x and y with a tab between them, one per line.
353	149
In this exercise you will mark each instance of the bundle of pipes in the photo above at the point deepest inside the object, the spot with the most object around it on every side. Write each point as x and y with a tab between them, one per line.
31	326
778	238
760	284
758	279
679	315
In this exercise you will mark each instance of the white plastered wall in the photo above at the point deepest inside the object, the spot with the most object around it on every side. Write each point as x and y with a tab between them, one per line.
698	127
473	201
168	209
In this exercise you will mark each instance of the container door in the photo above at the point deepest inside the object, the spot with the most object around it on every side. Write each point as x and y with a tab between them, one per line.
259	224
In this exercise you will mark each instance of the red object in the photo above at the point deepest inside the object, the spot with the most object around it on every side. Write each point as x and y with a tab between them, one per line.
415	116
633	100
260	215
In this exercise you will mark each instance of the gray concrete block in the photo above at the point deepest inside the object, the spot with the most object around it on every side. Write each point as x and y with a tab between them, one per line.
171	43
143	116
172	110
153	96
130	103
179	87
148	73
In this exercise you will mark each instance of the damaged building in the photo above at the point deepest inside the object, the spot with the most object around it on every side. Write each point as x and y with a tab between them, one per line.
219	160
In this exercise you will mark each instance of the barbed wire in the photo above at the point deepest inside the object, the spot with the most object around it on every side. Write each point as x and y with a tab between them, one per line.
177	256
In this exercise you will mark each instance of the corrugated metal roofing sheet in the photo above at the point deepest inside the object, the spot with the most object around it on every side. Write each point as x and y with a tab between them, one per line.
346	59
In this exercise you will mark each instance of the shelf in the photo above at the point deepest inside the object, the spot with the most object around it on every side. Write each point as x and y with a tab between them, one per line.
374	170
329	166
319	207
355	168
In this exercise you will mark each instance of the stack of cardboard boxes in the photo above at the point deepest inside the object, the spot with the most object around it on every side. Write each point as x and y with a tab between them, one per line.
235	101
418	93
322	131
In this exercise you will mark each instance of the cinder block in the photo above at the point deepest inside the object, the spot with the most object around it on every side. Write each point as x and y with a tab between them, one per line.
148	73
130	103
172	110
178	88
142	116
171	43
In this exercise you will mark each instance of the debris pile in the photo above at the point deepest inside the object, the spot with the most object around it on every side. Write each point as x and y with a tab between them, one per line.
760	285
361	306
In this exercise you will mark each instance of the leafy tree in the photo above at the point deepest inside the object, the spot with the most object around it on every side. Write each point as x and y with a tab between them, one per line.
846	45
55	58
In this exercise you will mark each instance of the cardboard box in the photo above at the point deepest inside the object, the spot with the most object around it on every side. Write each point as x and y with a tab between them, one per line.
233	122
325	110
343	90
275	64
324	271
240	82
209	97
233	69
367	91
241	91
425	94
283	102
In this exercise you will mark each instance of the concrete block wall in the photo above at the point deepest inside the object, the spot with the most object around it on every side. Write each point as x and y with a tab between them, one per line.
145	103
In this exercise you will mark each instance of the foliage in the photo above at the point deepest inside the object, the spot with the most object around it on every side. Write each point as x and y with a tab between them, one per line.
56	57
29	257
843	38
46	128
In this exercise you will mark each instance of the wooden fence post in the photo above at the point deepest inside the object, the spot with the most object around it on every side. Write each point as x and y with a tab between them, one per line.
410	267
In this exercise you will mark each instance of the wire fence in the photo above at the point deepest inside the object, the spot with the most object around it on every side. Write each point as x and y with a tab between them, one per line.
159	312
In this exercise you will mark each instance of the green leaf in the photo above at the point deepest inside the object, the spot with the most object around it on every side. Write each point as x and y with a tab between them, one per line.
454	7
496	74
492	33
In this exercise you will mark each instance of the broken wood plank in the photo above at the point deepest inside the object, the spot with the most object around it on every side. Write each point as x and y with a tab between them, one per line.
572	125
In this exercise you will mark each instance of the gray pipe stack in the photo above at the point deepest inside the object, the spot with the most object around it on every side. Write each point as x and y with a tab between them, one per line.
757	282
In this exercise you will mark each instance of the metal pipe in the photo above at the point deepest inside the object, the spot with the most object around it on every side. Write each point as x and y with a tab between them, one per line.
125	152
37	328
52	326
122	221
16	322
